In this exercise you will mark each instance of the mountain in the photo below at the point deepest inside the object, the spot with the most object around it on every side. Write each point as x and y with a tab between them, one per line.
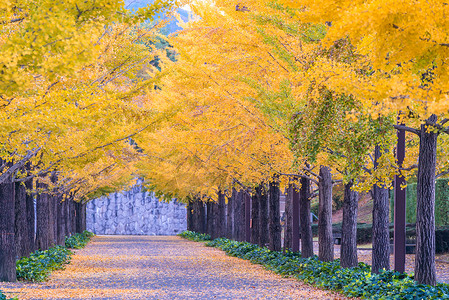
172	26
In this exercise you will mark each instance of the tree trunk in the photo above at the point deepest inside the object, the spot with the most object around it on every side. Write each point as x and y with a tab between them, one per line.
221	210
209	217
255	217
306	225
68	221
80	216
237	205
61	219
42	216
30	218
274	214
349	228
7	235
425	270
325	236
215	216
52	216
230	216
72	212
296	228
288	218
202	217
263	217
21	224
196	215
381	223
190	216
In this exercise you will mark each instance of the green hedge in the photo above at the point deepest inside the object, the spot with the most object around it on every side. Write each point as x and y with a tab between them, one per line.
352	282
441	203
40	264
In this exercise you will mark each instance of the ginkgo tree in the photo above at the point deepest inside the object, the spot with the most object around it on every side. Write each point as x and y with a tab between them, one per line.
70	99
403	48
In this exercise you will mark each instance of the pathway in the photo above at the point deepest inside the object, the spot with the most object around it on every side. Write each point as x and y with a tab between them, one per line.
143	267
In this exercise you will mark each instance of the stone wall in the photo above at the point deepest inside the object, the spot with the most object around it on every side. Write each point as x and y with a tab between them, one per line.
135	212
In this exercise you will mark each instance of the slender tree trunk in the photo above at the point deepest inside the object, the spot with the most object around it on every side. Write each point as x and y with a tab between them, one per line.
7	235
381	223
43	217
306	224
221	210
296	226
189	216
196	218
52	215
209	217
80	216
215	216
68	221
61	219
325	237
425	269
202	217
349	228
30	218
72	212
255	217
274	214
288	221
239	223
230	216
21	224
263	217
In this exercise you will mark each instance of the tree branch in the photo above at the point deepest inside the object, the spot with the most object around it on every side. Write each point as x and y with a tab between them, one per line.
406	128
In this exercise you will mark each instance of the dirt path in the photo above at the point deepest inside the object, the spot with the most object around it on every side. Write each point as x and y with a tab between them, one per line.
142	267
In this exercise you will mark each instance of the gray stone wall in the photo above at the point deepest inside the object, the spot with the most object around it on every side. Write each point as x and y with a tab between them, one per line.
135	212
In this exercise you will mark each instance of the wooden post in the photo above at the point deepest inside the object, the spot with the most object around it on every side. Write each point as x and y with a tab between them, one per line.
399	208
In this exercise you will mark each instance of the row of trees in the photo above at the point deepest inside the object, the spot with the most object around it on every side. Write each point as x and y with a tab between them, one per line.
295	93
260	97
72	78
30	223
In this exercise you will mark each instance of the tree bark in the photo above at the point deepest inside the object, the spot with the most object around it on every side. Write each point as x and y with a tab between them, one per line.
80	208
230	216
209	218
68	221
306	225
43	217
381	223
349	228
73	216
30	218
221	210
263	216
7	235
21	224
202	217
255	217
52	216
239	217
274	214
288	218
425	269
325	236
61	219
190	216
